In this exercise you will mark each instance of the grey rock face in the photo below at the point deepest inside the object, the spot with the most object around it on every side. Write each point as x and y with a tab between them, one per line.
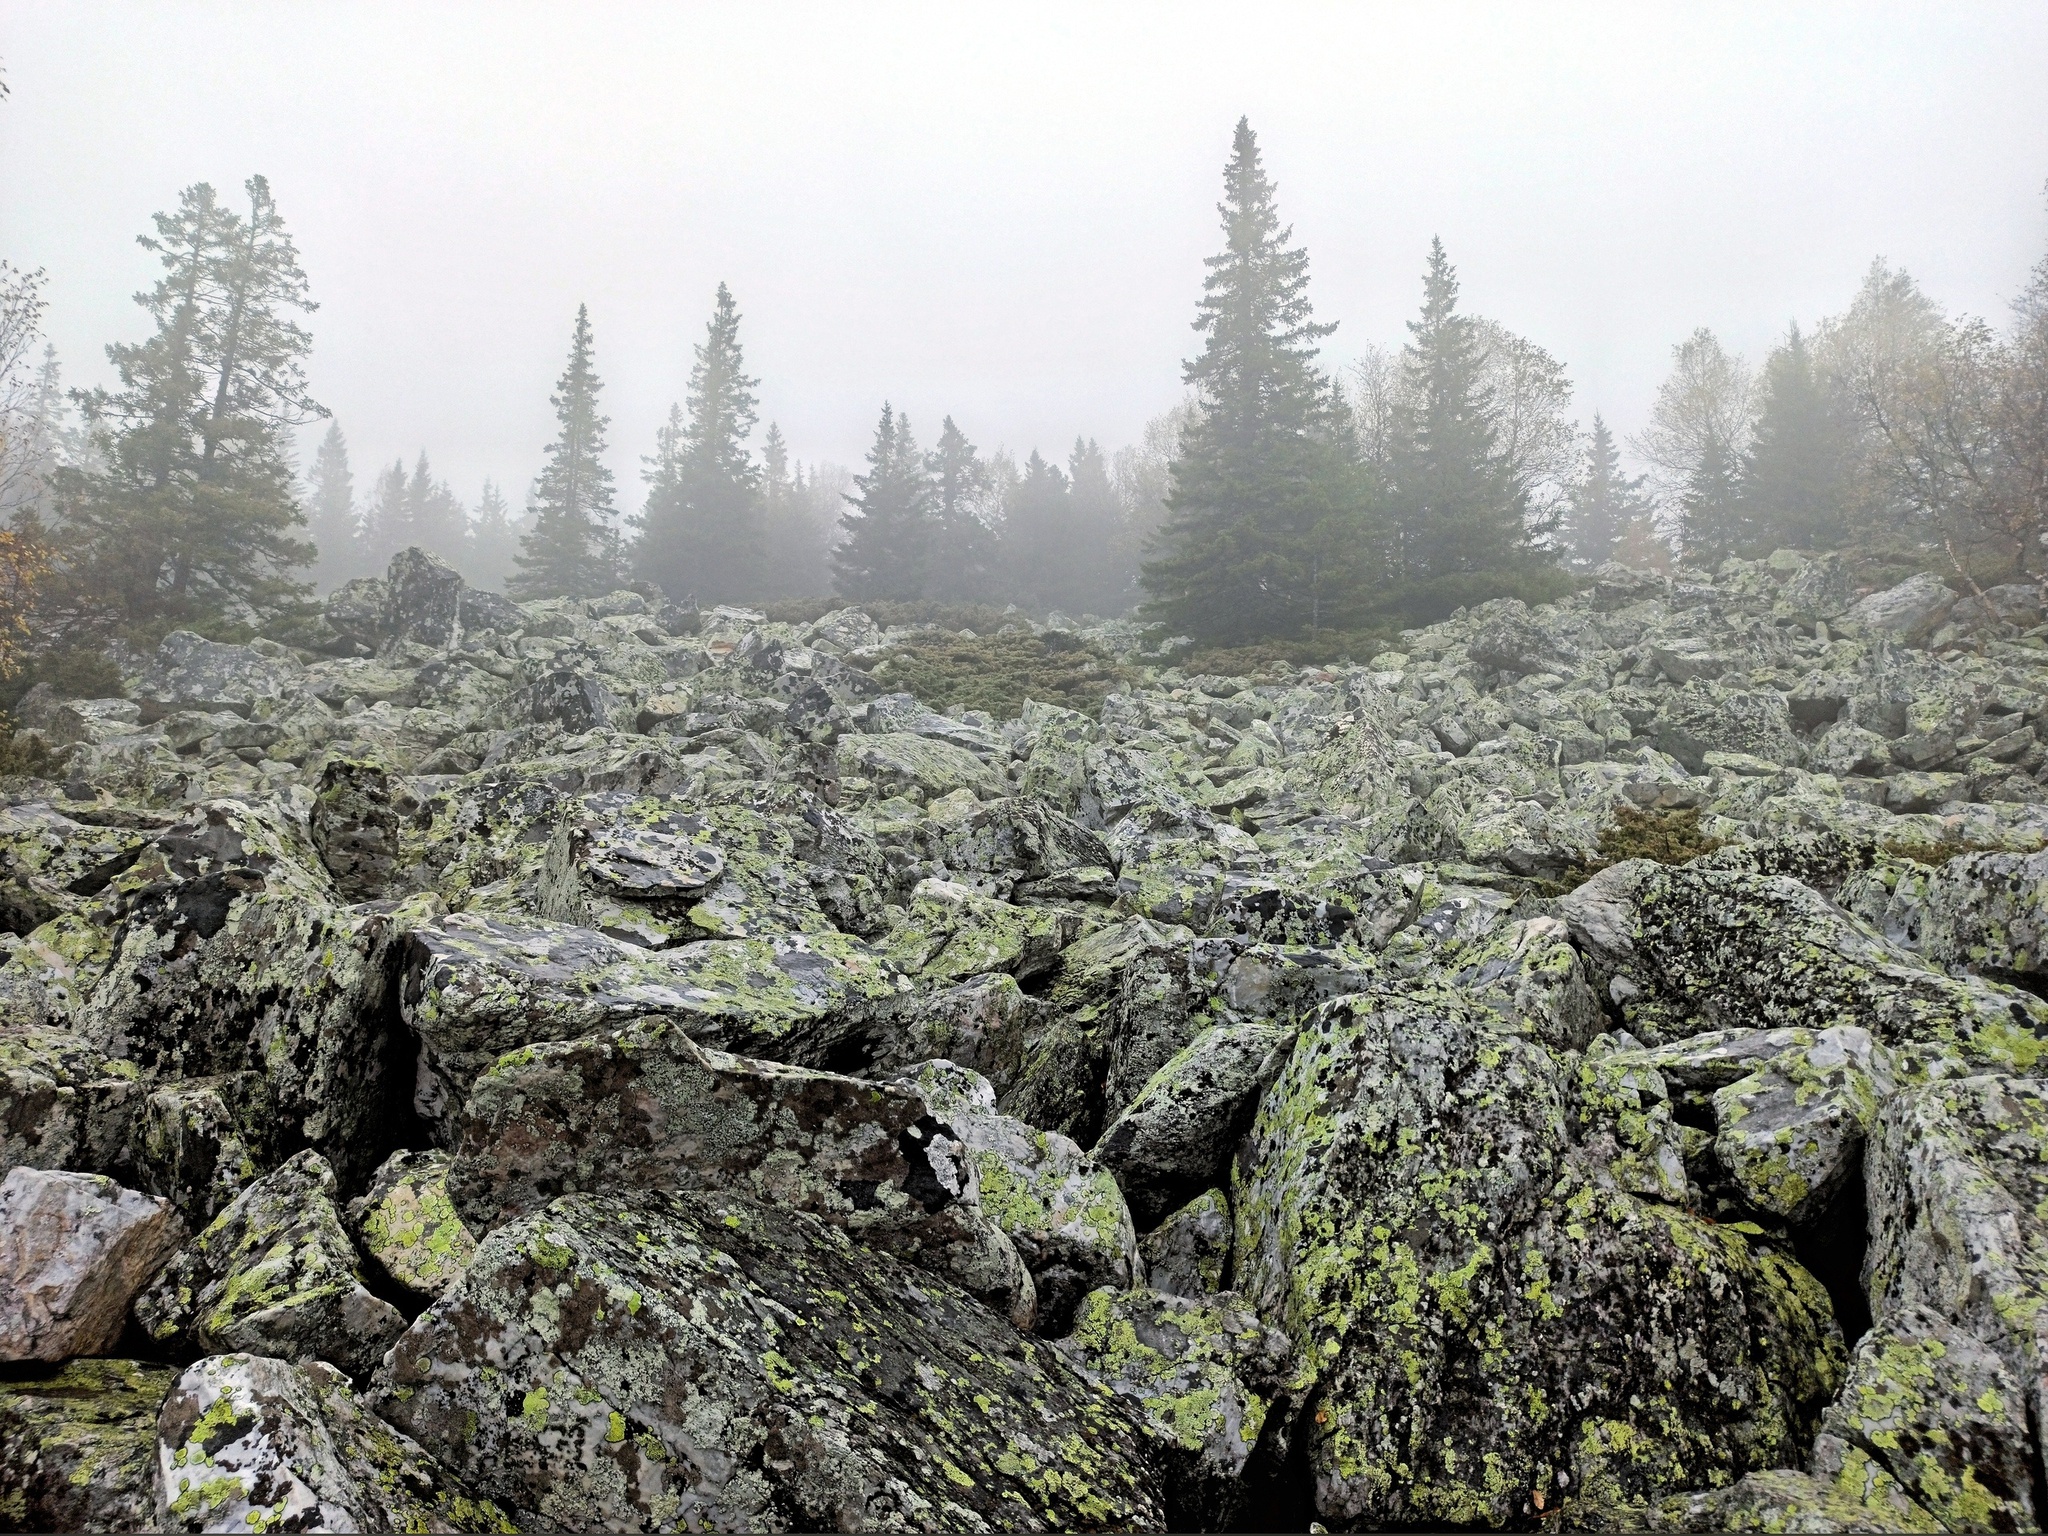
803	1383
78	1447
647	1109
1179	1135
275	1274
422	600
245	1442
189	672
74	1250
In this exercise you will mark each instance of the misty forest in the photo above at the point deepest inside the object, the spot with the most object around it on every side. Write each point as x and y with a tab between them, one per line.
1384	956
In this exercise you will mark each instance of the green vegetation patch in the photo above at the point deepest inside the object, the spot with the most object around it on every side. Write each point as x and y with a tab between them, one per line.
997	673
1667	837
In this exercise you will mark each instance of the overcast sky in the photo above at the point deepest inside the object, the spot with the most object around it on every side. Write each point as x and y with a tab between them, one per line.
1000	211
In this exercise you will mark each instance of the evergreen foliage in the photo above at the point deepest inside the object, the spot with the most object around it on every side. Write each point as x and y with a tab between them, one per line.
331	512
1040	539
1604	502
493	554
1794	477
572	549
1262	531
703	531
1096	579
192	517
963	557
1711	515
889	521
1459	509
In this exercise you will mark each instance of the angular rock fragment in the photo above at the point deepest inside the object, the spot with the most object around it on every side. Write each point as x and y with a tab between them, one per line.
78	1447
74	1250
665	1360
1179	1135
246	1442
1188	1254
645	1108
1211	1380
1061	1209
476	987
407	1228
275	1273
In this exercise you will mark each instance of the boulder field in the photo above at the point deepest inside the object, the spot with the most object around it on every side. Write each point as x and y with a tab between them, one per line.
585	1065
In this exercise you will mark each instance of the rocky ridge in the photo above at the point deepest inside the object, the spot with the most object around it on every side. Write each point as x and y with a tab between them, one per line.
582	1062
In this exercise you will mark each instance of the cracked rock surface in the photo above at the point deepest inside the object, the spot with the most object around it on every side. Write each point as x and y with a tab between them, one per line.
575	1063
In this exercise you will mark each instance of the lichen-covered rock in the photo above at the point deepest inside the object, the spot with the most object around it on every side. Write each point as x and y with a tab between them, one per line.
1788	1501
65	1104
900	760
74	1250
645	1108
1478	1318
1188	1254
1957	1190
1945	1417
234	955
248	1443
1683	950
1211	1380
477	987
189	672
1791	1132
980	1024
1989	912
406	1225
1178	1136
78	1447
658	1361
1910	610
1702	718
422	600
274	1274
952	934
1061	1208
50	863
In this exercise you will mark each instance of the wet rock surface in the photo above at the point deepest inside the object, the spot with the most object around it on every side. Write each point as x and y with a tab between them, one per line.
563	1063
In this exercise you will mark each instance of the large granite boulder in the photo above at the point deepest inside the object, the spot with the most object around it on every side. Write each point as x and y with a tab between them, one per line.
661	1360
74	1250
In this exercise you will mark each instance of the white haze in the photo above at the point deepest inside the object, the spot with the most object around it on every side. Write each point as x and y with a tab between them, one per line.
1000	212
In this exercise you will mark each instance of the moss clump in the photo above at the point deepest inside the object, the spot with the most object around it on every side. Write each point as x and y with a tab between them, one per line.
997	673
1270	658
1666	837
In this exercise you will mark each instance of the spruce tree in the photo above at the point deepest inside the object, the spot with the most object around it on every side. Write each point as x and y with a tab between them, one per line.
572	549
439	524
1711	520
702	529
331	512
192	516
1795	484
1603	503
889	521
1262	533
963	547
493	549
1458	512
1097	581
1039	535
387	522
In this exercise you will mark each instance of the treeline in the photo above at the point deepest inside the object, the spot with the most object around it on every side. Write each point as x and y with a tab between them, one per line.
1281	499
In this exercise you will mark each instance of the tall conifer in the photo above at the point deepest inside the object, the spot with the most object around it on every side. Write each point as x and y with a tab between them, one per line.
192	514
702	529
1457	509
1604	502
888	521
572	548
331	512
963	547
1265	498
1795	488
